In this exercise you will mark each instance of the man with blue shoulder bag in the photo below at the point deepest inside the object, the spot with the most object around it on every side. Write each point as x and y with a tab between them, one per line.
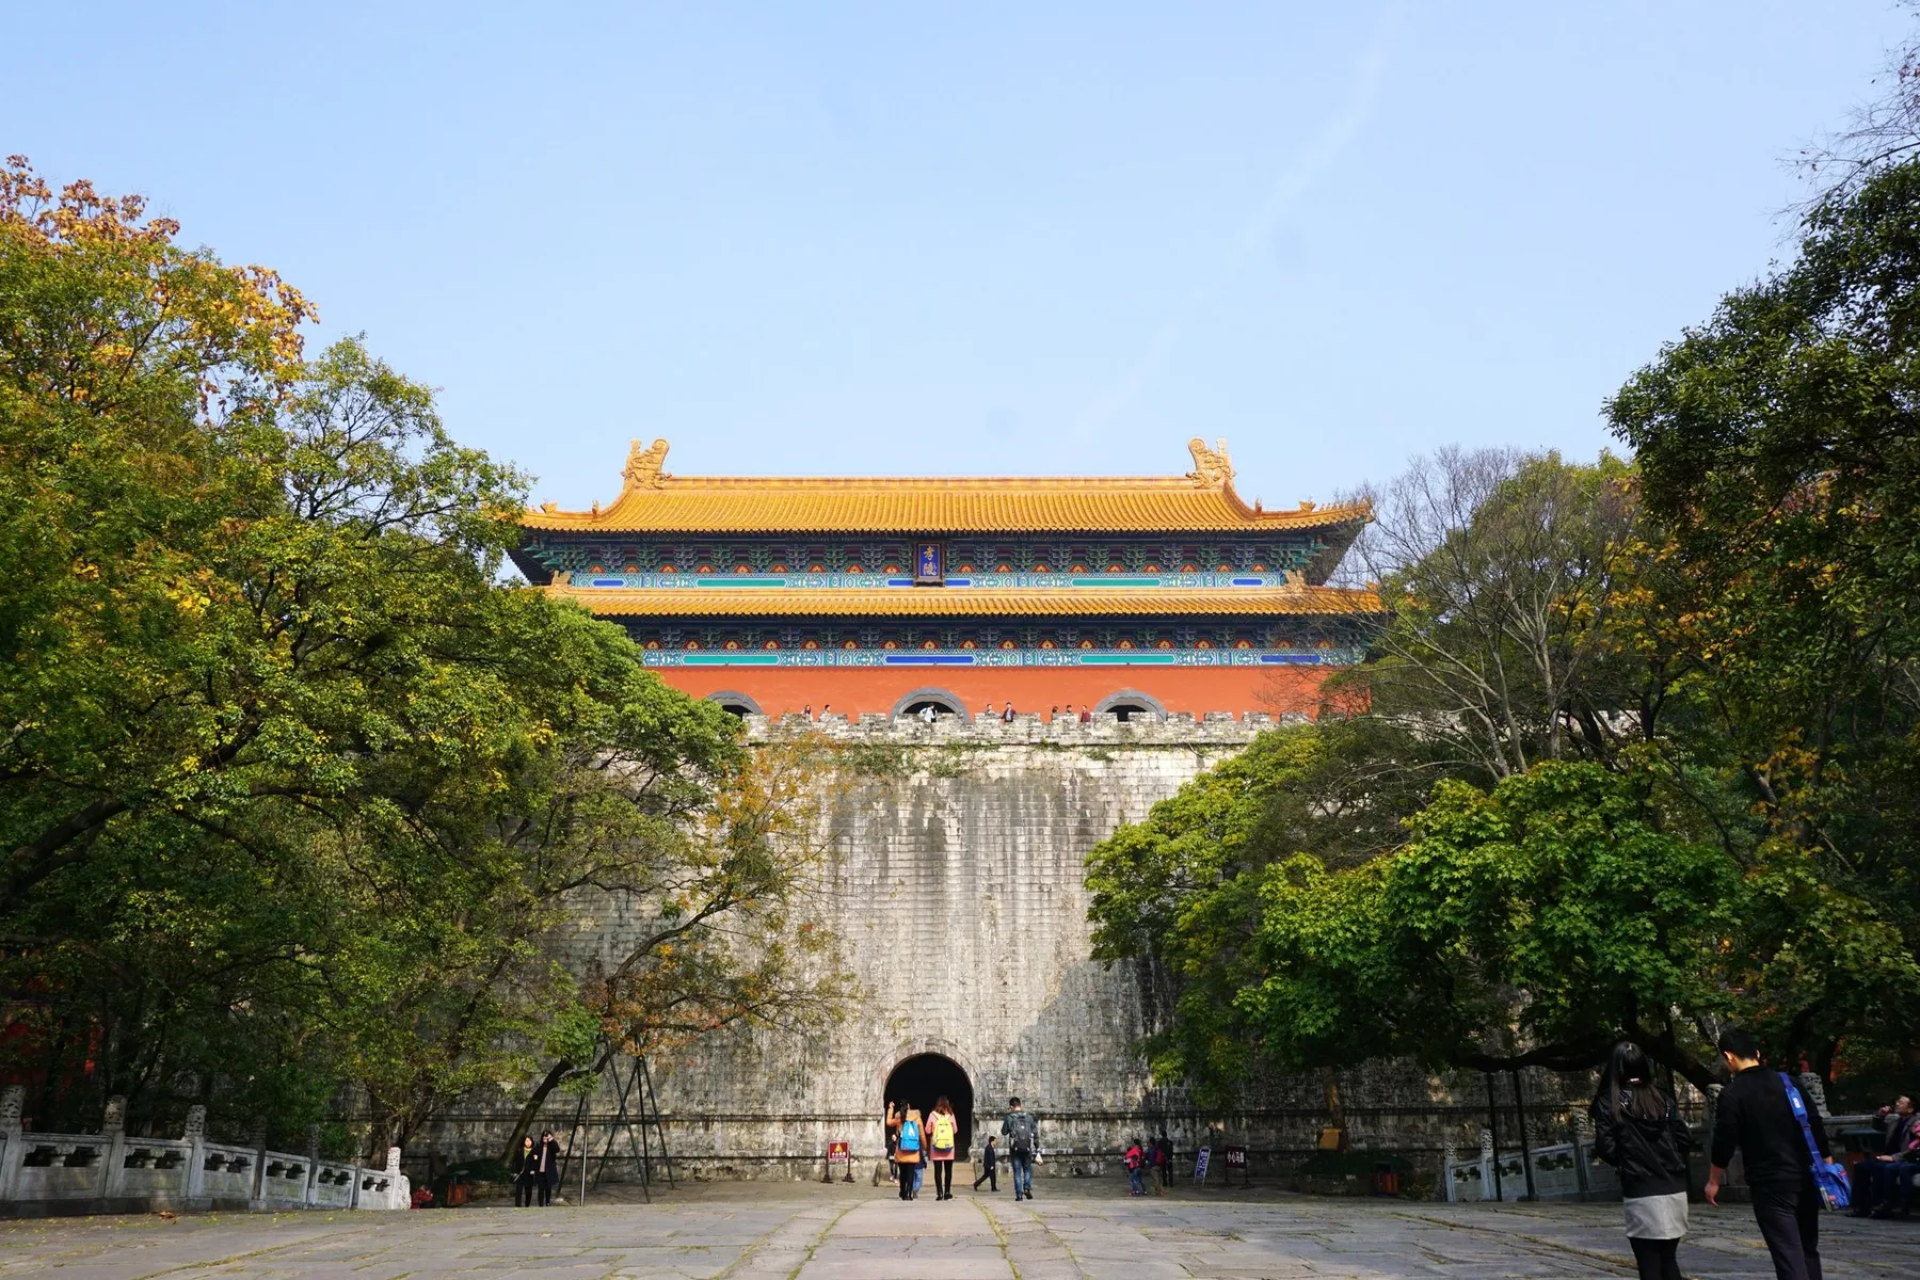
1783	1145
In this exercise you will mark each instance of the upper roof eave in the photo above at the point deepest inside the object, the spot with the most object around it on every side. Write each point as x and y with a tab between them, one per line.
1203	501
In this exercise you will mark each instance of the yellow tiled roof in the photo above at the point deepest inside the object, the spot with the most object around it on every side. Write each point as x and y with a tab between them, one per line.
652	501
951	602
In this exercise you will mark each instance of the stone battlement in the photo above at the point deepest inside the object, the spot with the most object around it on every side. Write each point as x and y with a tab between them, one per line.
1182	729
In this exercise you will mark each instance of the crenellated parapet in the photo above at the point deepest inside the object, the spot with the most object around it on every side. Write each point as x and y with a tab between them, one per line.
1180	729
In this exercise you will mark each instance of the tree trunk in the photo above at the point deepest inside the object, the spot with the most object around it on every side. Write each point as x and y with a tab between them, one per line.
541	1092
1335	1106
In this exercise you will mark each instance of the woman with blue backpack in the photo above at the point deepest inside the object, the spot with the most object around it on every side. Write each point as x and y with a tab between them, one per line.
909	1152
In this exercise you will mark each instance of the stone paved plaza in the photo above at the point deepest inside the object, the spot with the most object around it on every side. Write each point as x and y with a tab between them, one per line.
747	1230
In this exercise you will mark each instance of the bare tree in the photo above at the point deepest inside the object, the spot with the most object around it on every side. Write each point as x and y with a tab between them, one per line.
1499	571
1883	132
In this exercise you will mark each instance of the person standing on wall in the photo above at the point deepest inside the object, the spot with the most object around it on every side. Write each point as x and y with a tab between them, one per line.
942	1127
549	1166
989	1165
1756	1119
1638	1130
907	1152
1022	1133
525	1169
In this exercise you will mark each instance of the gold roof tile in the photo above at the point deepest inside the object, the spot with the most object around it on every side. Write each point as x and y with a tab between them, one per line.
1203	500
953	602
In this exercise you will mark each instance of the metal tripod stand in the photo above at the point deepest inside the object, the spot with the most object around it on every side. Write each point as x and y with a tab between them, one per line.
634	1080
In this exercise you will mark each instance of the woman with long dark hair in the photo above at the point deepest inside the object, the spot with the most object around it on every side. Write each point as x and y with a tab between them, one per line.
943	1131
1638	1130
525	1168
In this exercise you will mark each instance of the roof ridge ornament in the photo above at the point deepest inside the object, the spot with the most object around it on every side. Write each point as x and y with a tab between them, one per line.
644	466
1211	467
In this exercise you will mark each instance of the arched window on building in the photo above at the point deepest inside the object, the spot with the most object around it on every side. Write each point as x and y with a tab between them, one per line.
939	702
738	703
1131	704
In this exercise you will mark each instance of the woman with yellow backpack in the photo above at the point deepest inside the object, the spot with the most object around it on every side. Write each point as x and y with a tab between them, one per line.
943	1129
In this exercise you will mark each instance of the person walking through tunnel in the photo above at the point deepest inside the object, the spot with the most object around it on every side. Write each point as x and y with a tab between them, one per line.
1638	1130
989	1165
893	1139
1022	1133
907	1152
942	1127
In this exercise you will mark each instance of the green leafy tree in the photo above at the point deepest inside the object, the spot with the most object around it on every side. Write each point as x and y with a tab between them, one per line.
1536	923
1780	452
1180	894
295	793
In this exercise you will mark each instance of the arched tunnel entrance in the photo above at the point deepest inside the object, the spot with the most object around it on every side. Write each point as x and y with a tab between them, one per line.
923	1079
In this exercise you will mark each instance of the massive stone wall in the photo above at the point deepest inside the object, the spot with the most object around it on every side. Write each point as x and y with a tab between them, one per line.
958	891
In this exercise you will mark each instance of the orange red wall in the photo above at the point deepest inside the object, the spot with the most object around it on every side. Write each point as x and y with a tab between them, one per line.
854	691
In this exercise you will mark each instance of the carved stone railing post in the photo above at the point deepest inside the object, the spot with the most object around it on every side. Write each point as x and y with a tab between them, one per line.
113	1178
13	1147
399	1190
313	1165
259	1144
1582	1125
196	1139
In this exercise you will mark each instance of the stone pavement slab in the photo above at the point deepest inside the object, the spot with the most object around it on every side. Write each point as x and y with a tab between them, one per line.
799	1231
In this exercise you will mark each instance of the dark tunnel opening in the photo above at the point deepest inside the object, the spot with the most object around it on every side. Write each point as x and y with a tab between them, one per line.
922	1080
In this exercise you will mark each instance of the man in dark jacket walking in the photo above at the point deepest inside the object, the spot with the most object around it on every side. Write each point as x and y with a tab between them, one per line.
1755	1119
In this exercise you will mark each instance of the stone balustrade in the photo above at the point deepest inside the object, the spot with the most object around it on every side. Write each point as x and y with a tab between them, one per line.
1026	728
46	1174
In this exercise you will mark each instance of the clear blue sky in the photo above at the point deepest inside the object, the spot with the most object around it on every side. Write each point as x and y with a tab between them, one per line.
980	238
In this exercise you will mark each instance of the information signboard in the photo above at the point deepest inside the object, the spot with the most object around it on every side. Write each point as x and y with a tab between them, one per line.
1236	1158
1200	1164
836	1153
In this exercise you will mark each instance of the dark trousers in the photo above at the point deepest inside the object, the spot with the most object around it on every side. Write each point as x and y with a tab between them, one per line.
906	1180
1789	1218
942	1179
523	1191
990	1175
546	1189
1881	1185
1899	1183
1657	1259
